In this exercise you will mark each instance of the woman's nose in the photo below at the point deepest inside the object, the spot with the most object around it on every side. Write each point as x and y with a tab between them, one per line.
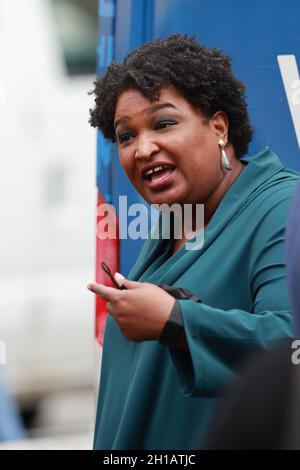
145	148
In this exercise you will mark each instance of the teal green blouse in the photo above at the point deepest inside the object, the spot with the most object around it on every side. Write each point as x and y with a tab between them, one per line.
156	397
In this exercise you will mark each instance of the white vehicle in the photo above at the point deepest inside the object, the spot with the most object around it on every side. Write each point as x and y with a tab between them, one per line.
47	194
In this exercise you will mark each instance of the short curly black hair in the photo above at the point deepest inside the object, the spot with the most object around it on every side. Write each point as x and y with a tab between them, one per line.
202	75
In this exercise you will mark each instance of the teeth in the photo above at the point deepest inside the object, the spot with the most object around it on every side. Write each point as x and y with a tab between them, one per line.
155	169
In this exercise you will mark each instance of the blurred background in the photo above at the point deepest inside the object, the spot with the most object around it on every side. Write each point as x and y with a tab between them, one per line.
47	206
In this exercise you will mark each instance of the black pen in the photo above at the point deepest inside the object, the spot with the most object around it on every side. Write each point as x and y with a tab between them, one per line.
109	273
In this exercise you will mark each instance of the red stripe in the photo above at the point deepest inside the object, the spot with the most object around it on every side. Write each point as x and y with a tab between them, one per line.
109	251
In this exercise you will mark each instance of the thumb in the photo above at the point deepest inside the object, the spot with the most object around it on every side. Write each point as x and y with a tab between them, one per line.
126	282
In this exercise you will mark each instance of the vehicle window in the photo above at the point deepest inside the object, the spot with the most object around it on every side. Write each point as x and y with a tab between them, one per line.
77	25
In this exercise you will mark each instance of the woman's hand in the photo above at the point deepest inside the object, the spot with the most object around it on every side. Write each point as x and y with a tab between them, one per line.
141	311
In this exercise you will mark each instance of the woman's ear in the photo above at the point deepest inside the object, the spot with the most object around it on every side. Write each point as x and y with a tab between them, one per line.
219	121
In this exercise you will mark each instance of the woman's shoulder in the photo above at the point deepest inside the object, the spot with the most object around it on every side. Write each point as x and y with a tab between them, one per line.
277	181
266	180
279	186
269	202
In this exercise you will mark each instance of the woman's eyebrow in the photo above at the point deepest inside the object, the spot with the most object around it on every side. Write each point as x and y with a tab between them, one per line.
151	110
157	107
120	121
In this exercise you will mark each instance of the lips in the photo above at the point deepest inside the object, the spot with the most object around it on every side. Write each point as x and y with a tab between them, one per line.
162	180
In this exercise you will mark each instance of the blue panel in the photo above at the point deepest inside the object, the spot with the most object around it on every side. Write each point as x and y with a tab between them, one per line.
107	8
134	25
105	55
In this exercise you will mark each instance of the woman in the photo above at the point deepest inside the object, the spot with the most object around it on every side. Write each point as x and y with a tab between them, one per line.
176	104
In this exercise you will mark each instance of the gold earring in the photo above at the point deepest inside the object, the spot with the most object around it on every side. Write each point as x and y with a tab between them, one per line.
225	161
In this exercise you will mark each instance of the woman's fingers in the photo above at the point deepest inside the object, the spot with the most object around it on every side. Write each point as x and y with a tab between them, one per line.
119	276
112	294
126	282
107	293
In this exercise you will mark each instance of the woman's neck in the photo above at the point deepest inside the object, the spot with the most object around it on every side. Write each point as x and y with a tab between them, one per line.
190	228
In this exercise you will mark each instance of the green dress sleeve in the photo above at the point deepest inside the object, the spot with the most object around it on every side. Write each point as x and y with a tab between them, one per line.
218	340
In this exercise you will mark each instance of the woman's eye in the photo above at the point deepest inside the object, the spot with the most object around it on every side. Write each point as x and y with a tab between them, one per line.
124	137
164	124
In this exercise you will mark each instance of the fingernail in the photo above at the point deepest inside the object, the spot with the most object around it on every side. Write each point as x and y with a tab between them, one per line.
119	274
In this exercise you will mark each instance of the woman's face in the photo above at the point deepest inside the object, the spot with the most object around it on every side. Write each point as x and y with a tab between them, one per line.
171	138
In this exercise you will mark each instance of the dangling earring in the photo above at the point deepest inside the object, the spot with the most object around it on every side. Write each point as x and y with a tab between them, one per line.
225	162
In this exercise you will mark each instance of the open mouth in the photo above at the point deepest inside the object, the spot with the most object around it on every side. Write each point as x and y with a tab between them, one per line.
158	173
160	176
